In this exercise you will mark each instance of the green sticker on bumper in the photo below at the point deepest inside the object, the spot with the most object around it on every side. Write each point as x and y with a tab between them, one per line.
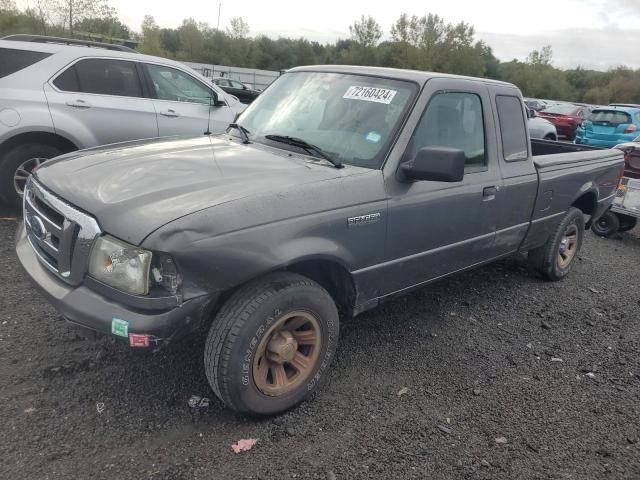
119	327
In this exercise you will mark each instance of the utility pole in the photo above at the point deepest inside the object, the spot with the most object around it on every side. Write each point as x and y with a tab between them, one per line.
219	8
71	18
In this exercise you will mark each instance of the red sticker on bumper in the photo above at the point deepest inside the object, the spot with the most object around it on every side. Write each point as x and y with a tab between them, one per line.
137	340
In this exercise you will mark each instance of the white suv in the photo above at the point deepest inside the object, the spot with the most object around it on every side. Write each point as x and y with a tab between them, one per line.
56	98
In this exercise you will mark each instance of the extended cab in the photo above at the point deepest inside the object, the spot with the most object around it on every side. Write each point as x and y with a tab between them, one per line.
337	189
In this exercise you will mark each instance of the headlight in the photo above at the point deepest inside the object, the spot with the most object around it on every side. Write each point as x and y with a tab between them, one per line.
120	265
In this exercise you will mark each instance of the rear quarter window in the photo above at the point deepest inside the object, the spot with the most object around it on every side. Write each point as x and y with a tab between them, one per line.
12	61
512	128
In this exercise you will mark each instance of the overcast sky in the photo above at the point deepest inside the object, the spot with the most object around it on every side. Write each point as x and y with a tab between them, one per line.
593	33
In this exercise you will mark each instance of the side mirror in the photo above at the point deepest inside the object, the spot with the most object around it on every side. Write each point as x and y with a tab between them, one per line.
244	87
215	101
436	164
532	113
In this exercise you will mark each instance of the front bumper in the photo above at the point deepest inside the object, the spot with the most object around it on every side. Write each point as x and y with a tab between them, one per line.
85	307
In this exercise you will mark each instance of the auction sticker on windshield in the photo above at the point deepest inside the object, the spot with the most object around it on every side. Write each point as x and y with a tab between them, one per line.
370	94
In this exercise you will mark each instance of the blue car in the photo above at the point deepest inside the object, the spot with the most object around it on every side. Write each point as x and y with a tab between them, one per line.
609	126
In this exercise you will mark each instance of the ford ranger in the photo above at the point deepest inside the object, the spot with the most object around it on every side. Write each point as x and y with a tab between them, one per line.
339	188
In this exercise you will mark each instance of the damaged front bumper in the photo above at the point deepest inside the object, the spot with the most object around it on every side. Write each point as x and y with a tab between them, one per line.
81	305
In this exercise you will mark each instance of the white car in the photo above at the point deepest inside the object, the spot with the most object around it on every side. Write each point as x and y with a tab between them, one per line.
59	95
540	128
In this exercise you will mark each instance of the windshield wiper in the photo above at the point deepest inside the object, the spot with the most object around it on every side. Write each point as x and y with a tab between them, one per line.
299	142
244	133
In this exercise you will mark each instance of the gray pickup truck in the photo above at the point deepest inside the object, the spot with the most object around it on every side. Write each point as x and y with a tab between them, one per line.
339	188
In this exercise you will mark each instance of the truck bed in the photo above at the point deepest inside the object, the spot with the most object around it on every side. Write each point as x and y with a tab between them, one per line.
550	147
566	172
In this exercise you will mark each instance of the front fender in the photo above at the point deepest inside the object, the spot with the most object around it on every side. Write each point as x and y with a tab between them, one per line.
220	263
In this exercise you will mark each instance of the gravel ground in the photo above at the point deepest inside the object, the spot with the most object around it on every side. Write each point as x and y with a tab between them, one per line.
460	380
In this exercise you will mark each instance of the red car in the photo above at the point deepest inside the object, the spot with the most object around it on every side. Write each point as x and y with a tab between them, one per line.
566	117
631	158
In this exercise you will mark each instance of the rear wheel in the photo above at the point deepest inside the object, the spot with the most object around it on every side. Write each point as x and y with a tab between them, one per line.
555	258
15	167
627	222
608	224
271	344
550	136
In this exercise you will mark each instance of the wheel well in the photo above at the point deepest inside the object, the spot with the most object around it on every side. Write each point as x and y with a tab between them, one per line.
551	136
587	203
39	137
333	277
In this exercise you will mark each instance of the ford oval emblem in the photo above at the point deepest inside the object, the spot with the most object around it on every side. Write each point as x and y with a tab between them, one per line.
37	227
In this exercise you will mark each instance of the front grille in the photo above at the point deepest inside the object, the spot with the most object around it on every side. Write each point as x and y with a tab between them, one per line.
60	234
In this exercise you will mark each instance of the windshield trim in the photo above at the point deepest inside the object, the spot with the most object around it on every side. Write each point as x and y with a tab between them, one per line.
385	151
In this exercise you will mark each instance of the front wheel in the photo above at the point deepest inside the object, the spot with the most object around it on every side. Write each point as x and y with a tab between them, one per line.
607	225
271	344
555	258
15	167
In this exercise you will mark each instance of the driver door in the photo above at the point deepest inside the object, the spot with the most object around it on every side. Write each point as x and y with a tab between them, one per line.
182	103
437	228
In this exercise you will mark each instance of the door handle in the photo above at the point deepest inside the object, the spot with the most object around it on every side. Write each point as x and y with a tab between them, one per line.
78	103
489	193
170	113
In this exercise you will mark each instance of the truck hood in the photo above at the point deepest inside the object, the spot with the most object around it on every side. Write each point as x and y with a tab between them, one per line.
134	188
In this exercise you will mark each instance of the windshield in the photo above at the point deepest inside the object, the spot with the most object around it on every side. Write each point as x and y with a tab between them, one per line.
352	118
562	109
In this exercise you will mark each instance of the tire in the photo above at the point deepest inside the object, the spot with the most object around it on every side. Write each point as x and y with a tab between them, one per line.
555	258
26	157
608	224
256	332
550	136
627	222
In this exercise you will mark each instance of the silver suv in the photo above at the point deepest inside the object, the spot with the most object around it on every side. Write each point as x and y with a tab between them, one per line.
56	98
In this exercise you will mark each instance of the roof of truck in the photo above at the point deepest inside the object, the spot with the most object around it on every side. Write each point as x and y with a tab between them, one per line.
401	74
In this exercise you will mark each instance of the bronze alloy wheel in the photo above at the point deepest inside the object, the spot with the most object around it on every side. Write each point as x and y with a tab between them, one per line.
568	245
287	354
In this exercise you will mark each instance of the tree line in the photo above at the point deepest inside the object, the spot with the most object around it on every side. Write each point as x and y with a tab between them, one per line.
417	42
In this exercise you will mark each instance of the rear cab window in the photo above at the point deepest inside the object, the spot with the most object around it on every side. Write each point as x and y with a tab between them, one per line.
512	128
101	76
12	60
